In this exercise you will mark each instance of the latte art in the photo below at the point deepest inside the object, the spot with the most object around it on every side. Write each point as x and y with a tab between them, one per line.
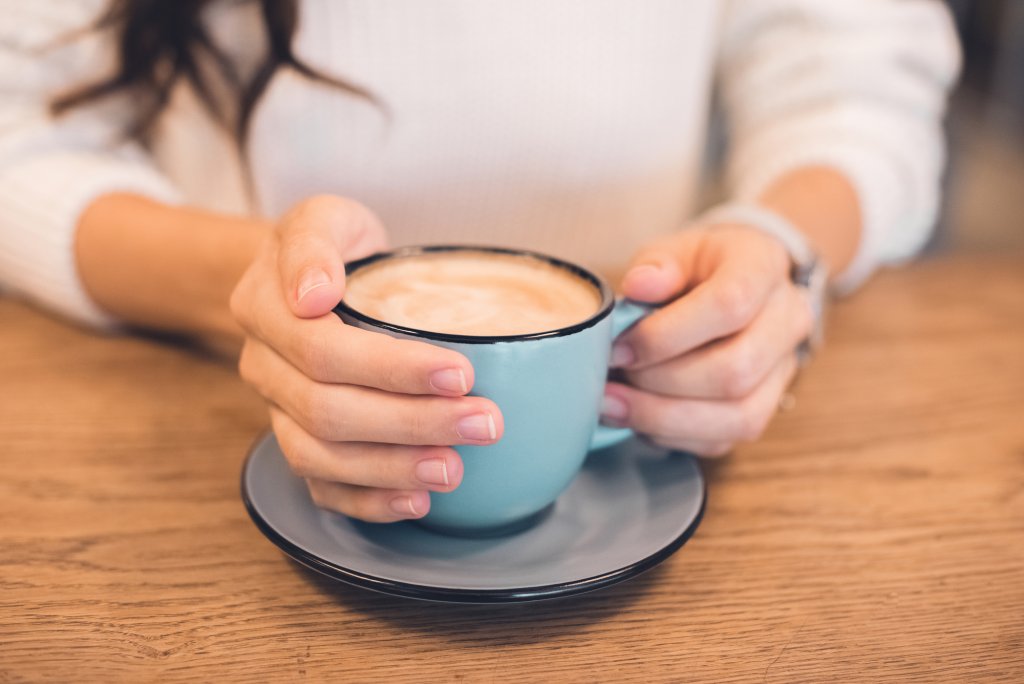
472	293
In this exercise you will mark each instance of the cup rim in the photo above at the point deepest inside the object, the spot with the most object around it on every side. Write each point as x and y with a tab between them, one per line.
607	296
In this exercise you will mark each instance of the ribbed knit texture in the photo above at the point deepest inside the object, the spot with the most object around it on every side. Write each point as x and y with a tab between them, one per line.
574	127
858	86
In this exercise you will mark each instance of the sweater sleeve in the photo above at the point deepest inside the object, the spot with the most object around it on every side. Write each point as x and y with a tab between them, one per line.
52	169
858	86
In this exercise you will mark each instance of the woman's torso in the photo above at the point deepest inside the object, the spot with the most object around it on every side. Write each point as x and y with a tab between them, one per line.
575	127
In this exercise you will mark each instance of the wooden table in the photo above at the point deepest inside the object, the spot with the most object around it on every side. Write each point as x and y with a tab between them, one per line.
875	534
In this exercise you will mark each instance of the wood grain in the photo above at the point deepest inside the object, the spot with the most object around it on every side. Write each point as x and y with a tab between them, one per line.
875	534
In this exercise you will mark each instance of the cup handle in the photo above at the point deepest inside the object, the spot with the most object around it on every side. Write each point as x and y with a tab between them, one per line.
625	314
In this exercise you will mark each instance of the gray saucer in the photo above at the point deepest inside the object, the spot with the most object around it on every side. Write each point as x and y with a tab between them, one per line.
630	508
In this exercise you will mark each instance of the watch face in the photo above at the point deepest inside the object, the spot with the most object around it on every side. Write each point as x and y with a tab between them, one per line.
802	274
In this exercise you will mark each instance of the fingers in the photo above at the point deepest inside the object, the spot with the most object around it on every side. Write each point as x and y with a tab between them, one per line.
663	269
333	352
732	368
349	413
365	464
734	272
369	504
671	420
314	241
327	350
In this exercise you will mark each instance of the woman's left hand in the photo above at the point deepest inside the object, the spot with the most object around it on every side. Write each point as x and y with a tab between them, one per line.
708	369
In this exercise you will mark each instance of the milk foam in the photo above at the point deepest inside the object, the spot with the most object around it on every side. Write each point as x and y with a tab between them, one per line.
472	293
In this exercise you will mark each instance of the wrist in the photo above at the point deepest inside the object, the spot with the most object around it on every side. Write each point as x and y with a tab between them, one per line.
823	205
803	255
236	244
163	267
808	270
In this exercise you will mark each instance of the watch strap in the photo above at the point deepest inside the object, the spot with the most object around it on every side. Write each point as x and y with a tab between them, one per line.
808	269
802	255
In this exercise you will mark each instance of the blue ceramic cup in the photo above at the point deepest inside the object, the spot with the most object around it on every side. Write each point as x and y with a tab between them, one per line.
548	386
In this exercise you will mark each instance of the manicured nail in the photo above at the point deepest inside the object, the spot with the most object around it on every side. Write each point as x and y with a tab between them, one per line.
403	506
622	355
449	380
478	427
613	407
433	471
313	278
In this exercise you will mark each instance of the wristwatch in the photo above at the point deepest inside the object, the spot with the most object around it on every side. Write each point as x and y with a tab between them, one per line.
807	271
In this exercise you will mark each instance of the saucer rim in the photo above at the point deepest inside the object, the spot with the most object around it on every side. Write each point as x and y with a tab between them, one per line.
456	594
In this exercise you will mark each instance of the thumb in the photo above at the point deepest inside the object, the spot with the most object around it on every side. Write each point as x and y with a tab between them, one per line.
659	272
314	240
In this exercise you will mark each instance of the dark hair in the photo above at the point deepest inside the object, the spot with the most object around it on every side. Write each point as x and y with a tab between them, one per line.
162	41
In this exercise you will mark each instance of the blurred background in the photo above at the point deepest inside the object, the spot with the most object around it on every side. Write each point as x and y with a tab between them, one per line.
984	200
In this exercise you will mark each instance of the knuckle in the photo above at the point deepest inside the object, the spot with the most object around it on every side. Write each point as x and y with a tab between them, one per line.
245	362
738	372
420	427
236	303
354	504
750	424
398	468
390	373
240	304
290	233
320	207
805	314
370	506
313	355
345	501
775	259
298	459
326	208
318	493
662	420
735	302
359	214
247	368
651	338
312	411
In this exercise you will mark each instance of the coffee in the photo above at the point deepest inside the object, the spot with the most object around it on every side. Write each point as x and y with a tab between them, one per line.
472	293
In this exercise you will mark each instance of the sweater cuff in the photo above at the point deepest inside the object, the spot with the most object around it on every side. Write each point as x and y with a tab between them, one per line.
880	188
41	201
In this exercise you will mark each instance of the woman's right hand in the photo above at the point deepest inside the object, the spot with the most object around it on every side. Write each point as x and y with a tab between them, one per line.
368	420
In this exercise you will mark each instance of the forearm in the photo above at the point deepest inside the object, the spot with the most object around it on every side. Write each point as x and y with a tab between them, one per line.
858	87
823	205
164	268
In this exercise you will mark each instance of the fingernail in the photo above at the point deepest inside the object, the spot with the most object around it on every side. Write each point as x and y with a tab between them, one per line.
622	355
433	471
643	271
450	380
313	278
478	427
403	506
613	407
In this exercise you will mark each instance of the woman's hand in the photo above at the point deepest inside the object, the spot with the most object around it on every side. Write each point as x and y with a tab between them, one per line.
708	369
367	419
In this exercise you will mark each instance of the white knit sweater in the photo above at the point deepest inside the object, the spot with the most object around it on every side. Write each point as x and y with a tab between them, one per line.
574	127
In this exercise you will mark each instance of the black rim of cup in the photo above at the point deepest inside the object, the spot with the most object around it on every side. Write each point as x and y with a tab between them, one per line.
607	296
